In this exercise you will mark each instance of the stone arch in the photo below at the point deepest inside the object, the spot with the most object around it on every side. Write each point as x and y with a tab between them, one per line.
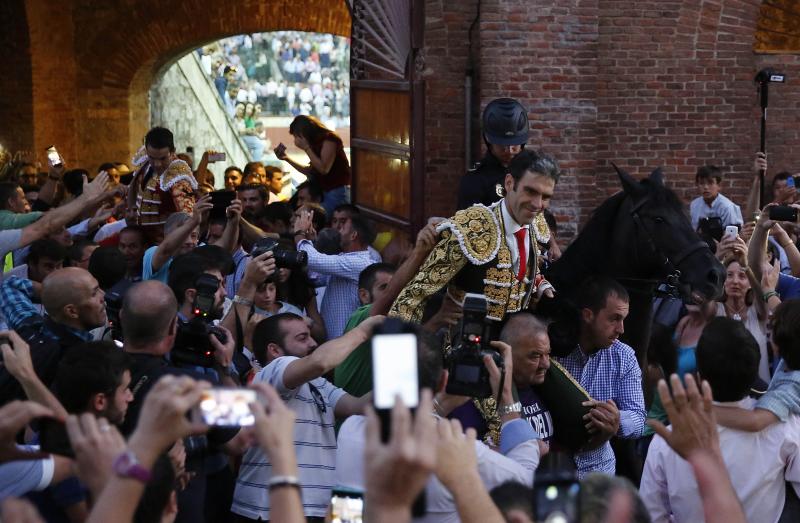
110	53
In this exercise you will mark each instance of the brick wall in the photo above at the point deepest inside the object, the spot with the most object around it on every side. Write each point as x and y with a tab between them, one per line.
645	84
16	96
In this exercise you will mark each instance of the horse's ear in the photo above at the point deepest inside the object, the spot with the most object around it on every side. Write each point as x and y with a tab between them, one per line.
657	177
629	184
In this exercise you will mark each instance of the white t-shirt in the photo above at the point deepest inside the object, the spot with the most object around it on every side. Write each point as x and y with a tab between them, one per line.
314	441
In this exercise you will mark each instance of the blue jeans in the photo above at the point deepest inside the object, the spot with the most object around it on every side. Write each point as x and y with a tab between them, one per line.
334	198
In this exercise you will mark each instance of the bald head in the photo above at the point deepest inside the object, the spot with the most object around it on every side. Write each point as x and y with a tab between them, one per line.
148	311
73	298
521	326
530	348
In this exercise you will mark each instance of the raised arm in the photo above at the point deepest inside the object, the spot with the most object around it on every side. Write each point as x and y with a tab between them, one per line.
173	241
230	235
328	355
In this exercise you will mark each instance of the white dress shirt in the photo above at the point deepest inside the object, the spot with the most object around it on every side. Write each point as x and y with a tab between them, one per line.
511	227
759	463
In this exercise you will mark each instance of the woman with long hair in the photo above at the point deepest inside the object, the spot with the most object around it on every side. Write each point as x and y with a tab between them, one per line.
328	165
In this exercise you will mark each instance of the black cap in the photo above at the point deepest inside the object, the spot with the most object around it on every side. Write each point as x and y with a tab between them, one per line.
505	122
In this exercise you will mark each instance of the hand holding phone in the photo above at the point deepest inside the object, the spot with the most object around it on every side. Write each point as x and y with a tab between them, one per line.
280	151
216	157
226	407
53	158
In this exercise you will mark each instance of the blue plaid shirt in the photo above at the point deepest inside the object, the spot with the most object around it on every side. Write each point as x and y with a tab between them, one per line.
614	374
341	293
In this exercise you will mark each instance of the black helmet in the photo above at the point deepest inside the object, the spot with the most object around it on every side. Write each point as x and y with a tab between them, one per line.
505	122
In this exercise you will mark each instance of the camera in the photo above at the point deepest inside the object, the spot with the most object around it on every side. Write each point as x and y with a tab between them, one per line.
285	259
468	374
114	298
783	213
556	490
192	346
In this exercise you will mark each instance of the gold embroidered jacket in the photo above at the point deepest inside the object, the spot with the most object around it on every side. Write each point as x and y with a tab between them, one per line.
471	256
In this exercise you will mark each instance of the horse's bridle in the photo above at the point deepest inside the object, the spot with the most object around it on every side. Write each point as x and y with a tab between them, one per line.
672	265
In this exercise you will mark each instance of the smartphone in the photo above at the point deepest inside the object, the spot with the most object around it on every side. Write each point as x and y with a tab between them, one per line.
791	182
347	506
226	407
280	149
53	438
732	230
53	158
783	213
394	370
557	501
217	157
220	200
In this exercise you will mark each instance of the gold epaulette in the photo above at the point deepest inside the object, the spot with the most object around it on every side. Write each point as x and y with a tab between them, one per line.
477	231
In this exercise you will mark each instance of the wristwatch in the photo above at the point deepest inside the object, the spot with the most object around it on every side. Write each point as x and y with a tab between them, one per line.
242	301
127	466
502	410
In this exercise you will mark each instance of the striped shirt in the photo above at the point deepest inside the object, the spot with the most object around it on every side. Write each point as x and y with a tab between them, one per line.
314	442
609	374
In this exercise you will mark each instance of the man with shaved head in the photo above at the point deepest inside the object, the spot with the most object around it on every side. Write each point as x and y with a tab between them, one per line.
530	349
74	304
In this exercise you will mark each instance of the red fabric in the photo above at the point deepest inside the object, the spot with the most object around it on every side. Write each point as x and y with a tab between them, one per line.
339	174
523	253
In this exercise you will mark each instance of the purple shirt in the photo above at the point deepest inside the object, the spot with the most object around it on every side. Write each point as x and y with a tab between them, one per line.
533	410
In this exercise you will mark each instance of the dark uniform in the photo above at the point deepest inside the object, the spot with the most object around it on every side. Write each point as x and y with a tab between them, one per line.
483	183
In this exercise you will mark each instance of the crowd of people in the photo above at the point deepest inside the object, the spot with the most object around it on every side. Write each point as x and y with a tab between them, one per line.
284	73
133	302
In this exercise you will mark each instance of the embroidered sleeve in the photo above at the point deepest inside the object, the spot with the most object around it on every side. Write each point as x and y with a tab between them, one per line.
439	267
183	196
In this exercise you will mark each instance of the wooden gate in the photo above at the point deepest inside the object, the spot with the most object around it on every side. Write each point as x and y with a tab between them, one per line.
387	111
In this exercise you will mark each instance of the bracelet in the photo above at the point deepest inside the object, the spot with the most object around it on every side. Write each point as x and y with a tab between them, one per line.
437	408
283	481
513	408
242	301
299	233
770	294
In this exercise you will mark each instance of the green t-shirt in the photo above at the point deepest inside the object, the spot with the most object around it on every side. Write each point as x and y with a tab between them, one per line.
354	374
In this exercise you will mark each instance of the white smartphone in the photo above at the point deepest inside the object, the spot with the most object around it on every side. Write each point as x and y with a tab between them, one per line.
226	407
732	230
394	370
53	158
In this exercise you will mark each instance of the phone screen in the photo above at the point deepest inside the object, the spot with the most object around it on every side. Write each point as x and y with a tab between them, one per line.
227	407
53	158
394	370
346	507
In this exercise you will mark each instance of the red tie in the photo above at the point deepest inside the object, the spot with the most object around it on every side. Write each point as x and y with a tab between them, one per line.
523	254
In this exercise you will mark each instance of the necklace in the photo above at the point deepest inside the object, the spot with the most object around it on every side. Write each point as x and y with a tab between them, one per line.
737	313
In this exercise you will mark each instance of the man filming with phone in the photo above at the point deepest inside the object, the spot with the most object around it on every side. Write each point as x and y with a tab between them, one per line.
294	365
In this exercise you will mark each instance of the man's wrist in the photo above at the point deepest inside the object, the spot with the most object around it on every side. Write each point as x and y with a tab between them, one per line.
145	448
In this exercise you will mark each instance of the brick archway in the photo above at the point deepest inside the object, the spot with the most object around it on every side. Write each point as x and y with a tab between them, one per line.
92	63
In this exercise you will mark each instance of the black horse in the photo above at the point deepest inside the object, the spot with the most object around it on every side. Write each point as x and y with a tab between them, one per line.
641	237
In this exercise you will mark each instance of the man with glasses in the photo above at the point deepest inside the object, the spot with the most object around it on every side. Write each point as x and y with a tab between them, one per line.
295	366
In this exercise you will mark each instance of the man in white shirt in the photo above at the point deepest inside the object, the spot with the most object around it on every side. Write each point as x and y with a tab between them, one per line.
295	366
518	455
759	463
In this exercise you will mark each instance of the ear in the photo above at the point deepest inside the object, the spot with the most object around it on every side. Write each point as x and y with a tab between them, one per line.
363	296
273	351
98	402
587	315
189	295
508	183
657	177
70	311
629	184
173	327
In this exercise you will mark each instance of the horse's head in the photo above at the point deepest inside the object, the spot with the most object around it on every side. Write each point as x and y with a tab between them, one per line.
662	242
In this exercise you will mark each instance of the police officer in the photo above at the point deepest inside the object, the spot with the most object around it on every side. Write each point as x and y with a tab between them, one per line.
505	131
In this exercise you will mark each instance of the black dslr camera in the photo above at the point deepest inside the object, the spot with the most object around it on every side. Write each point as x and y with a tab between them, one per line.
468	374
192	346
283	258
